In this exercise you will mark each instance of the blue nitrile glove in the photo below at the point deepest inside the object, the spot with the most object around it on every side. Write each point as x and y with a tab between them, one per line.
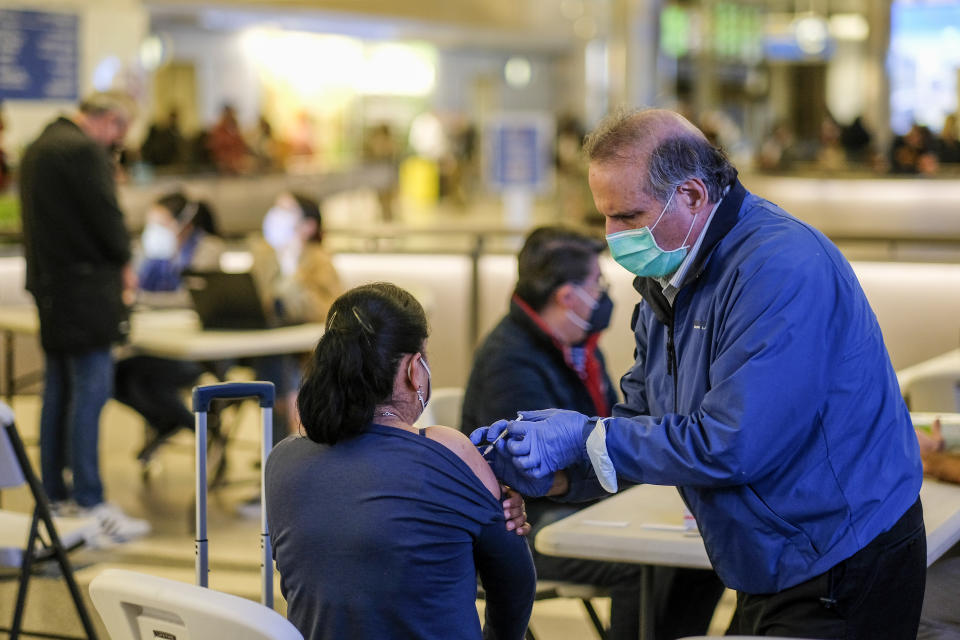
486	435
548	440
502	465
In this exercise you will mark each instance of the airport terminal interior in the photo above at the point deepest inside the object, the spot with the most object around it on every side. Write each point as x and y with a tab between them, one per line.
434	136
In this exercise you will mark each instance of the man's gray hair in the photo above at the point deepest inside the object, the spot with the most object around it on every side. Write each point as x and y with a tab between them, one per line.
103	102
622	137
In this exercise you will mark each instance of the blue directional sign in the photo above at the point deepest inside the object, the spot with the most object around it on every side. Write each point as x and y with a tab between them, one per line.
38	55
519	151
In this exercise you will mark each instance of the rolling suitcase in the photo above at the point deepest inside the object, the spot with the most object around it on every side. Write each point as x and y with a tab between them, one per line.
202	395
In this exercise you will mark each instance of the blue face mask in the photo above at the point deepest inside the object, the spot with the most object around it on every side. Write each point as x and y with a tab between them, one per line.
600	311
637	251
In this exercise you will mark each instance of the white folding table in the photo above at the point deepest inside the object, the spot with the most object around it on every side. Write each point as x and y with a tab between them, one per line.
644	525
176	334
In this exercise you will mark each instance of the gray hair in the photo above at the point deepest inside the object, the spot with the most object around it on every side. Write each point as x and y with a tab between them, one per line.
101	103
680	158
622	137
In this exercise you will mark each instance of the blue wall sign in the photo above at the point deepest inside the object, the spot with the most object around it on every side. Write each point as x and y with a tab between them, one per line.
519	151
38	55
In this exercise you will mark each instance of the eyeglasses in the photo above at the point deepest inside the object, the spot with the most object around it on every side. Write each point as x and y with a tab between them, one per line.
602	285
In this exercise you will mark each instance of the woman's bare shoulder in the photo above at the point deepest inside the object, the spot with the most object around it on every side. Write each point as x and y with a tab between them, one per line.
460	444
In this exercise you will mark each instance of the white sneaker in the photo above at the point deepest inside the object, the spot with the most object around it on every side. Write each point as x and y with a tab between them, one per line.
63	508
114	524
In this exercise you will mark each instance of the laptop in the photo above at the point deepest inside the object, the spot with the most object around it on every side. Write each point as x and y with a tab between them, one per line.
227	300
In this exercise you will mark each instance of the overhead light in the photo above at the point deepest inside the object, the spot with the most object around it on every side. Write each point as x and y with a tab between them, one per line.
153	52
106	72
849	26
517	72
395	68
811	33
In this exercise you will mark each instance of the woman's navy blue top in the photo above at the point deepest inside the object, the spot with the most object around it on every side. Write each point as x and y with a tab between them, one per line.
383	536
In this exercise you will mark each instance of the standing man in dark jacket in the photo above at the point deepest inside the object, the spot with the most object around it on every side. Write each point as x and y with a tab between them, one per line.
544	353
78	253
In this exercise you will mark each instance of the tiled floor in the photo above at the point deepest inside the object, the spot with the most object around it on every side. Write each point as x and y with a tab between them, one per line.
164	495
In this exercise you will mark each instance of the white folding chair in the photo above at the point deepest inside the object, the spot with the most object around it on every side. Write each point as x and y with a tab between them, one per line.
139	606
23	542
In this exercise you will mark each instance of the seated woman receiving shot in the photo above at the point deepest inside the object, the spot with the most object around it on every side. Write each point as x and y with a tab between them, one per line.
379	528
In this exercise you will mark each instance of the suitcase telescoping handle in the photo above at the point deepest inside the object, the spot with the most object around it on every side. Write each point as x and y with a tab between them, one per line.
202	395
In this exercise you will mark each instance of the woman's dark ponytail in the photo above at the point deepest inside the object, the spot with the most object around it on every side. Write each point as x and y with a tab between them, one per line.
368	331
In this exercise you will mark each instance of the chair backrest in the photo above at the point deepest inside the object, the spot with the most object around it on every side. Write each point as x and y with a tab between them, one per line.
138	606
10	473
443	408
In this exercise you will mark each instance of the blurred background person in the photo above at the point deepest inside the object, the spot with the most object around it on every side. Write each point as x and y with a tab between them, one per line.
855	140
263	146
914	152
948	144
573	197
302	139
380	148
298	283
381	529
164	144
777	152
226	144
830	154
180	234
78	270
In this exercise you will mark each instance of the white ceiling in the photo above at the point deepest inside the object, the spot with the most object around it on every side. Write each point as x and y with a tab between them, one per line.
513	24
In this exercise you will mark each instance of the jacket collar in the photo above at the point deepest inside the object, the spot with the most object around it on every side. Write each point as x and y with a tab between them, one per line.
64	121
723	221
524	314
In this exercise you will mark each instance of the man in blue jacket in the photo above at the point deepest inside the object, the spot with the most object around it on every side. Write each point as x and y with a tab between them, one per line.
761	389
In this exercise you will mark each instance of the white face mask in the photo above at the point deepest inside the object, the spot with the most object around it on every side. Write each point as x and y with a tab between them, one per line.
280	227
159	241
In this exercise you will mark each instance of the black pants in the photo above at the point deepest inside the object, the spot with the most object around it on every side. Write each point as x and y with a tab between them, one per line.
875	593
153	387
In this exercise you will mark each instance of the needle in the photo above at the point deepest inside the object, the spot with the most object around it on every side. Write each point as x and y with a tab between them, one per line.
498	439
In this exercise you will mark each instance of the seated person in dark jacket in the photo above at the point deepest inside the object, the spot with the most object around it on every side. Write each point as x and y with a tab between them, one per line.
544	354
380	529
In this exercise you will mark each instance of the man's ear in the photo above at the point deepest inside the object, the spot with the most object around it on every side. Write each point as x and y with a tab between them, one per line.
563	296
694	195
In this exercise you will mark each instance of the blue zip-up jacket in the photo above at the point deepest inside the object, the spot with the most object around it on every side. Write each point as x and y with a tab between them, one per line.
766	395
